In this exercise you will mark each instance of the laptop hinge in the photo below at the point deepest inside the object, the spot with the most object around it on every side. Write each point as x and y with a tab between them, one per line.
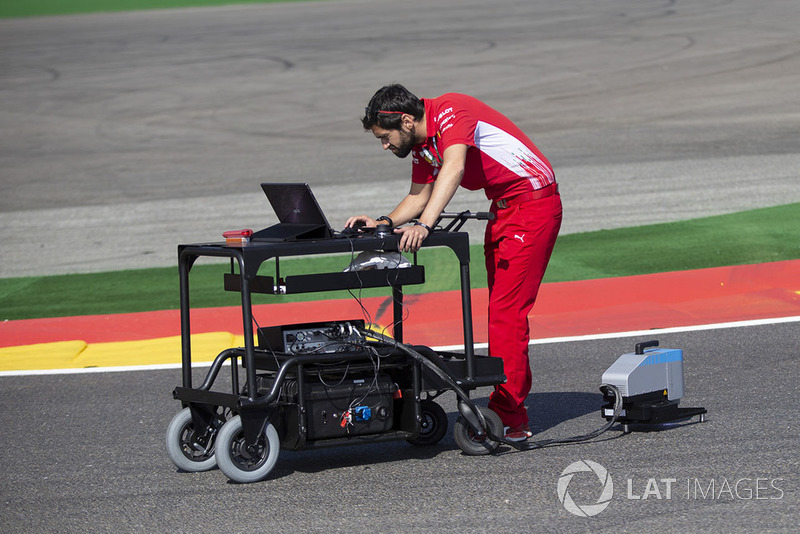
291	232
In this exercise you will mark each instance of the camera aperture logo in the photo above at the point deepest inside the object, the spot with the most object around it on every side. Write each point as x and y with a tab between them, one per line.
585	510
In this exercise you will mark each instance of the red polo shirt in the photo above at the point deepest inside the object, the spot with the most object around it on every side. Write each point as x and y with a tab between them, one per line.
501	159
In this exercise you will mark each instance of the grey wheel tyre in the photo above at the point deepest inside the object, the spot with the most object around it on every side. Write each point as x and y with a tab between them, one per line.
187	449
471	444
243	463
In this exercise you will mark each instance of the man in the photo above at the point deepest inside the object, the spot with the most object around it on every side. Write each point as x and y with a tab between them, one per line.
458	140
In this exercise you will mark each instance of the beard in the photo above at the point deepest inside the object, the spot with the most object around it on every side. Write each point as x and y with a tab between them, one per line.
406	144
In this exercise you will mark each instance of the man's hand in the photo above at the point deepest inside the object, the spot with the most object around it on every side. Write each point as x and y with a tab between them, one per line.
361	220
411	237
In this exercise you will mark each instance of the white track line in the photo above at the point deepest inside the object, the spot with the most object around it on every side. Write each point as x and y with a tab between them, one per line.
612	335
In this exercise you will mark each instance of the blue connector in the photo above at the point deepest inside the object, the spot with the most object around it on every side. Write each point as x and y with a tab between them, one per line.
362	413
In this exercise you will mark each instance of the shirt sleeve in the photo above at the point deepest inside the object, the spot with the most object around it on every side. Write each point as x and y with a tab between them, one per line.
456	128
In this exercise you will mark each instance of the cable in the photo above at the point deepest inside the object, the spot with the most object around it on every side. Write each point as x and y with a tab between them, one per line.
365	313
347	417
373	384
526	445
439	372
271	350
406	313
584	437
322	380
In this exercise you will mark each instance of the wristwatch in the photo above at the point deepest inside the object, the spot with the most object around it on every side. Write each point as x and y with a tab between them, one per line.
387	219
428	228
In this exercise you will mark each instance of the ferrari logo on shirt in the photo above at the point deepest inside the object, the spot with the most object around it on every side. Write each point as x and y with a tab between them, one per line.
432	154
428	156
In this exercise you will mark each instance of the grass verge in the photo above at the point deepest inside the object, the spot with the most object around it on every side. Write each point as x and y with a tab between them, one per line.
763	235
38	8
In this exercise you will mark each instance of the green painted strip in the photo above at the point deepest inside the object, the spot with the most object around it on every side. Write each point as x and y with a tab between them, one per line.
38	8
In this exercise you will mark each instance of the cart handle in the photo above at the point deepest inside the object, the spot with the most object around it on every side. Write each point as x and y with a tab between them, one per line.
460	218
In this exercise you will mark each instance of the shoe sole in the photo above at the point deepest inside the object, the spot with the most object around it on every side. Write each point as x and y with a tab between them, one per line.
521	436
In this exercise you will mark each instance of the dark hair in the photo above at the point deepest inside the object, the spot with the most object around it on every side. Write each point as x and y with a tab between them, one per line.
395	99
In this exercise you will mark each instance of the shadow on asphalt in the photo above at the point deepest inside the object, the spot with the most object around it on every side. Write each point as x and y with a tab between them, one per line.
546	410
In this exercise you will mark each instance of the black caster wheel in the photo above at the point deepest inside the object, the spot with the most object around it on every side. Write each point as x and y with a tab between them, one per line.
472	444
434	424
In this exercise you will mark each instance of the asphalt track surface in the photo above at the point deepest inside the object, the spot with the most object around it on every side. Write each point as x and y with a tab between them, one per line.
85	453
125	134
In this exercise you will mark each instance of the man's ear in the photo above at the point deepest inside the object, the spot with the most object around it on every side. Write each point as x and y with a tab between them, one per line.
407	121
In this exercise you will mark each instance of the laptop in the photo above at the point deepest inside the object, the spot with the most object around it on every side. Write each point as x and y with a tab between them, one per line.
298	212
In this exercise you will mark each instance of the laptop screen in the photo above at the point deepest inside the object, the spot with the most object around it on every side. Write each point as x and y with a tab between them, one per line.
294	203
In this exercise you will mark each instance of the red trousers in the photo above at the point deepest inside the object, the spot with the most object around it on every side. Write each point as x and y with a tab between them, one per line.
517	246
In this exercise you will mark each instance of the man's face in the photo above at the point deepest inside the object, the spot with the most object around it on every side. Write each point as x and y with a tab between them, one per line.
400	142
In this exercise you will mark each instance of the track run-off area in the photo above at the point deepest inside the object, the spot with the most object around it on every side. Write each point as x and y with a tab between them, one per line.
564	310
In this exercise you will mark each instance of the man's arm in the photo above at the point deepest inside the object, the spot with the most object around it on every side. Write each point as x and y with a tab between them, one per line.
413	203
445	186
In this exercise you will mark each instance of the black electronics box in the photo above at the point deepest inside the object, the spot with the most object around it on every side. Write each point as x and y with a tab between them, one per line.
358	405
316	338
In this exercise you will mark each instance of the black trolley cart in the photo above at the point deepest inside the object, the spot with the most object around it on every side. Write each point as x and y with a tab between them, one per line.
324	384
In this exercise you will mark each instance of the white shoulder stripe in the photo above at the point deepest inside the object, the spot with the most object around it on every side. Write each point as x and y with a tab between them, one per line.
511	153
